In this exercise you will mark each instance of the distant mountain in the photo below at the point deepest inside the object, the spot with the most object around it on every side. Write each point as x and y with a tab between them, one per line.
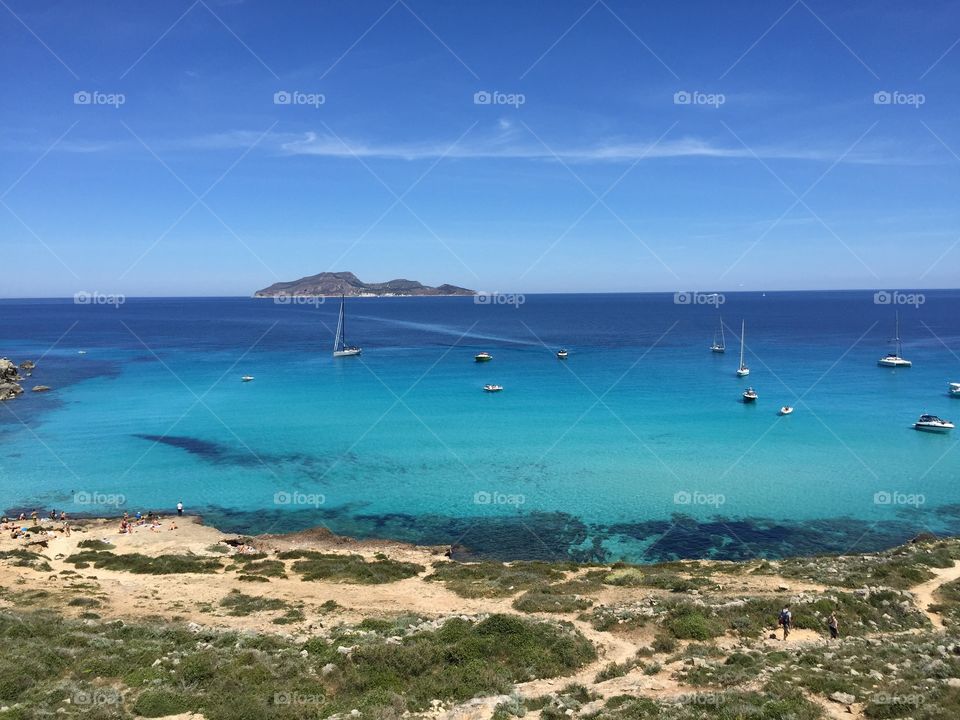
346	283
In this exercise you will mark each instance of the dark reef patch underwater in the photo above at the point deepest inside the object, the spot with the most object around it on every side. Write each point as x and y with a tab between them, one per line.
564	537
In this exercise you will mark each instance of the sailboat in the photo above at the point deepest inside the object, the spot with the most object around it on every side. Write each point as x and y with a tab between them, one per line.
719	347
743	370
895	359
340	347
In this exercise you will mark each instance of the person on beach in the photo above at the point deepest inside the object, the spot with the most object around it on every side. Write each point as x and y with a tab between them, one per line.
180	507
834	626
66	529
785	620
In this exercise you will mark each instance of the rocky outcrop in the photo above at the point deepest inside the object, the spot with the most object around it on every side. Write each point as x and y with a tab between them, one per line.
41	388
27	365
9	380
346	283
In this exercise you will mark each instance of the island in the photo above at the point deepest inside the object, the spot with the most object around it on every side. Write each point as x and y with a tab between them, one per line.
346	283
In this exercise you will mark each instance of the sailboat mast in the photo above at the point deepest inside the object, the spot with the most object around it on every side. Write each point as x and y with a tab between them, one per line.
743	327
339	335
723	340
897	338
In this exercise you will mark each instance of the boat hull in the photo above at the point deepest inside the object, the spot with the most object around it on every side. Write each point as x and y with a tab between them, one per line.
742	373
347	352
901	363
932	428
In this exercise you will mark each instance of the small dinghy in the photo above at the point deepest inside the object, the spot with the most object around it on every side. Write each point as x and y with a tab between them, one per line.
786	410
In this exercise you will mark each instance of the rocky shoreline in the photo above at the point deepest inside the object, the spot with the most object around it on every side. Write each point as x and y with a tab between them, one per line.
10	378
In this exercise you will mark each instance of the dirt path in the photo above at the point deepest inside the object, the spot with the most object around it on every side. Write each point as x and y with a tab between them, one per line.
924	592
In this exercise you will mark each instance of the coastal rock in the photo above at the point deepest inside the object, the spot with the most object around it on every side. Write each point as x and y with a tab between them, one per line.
27	365
843	698
41	388
9	377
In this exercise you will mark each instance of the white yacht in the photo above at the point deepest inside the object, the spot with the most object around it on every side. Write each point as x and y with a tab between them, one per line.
895	359
750	395
340	347
954	390
719	342
786	410
246	378
931	423
493	388
743	370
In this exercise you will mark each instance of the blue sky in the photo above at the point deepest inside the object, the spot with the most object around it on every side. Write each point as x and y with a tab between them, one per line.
784	171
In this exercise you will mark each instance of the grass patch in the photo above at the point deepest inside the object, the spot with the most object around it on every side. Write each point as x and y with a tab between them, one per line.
238	604
142	564
312	565
493	579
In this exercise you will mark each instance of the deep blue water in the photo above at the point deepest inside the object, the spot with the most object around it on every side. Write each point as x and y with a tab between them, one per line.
637	446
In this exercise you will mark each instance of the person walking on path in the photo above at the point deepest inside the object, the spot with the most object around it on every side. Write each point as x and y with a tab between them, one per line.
785	620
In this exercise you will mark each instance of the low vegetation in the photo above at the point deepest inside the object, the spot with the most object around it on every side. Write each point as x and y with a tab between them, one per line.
493	579
312	565
137	563
98	669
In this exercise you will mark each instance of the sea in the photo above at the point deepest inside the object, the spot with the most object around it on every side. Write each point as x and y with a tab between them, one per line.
637	447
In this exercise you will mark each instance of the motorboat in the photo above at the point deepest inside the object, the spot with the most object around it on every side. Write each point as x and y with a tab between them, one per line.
562	354
954	390
493	388
786	410
750	395
483	357
931	423
247	378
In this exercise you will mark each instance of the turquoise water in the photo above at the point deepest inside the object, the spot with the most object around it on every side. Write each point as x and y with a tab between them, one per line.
637	446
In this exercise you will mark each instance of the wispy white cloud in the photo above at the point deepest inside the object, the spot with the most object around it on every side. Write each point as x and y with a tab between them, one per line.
509	143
